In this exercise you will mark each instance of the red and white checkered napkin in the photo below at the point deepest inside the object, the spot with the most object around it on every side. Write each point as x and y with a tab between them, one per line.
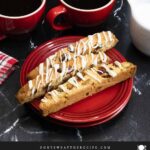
6	66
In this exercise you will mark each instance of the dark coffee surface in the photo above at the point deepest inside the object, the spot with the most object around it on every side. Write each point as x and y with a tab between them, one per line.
87	4
18	7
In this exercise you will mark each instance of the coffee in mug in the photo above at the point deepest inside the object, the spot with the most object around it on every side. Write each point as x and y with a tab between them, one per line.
18	7
87	4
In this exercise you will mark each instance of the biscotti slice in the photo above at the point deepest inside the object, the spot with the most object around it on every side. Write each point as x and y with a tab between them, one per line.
52	77
86	84
92	44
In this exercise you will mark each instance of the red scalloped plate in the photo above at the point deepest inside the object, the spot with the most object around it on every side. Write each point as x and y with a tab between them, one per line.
88	124
101	106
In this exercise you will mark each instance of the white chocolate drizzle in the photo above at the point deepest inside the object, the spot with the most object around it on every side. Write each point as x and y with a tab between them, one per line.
55	95
97	44
79	74
56	66
47	64
33	91
60	55
103	57
41	71
41	68
92	57
90	47
110	72
110	36
63	69
69	56
98	71
50	74
44	100
99	40
66	57
38	84
47	74
47	70
91	73
84	47
51	59
117	63
83	62
75	64
104	60
106	37
34	88
95	60
37	81
71	48
74	82
94	70
79	48
30	84
90	39
49	86
64	88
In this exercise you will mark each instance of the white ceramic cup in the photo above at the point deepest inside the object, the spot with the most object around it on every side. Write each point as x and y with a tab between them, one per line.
140	25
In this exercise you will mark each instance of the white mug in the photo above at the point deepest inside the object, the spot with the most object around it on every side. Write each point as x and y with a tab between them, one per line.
140	24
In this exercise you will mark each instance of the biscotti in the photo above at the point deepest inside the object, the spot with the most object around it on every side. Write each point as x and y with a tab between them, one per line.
92	44
89	82
52	77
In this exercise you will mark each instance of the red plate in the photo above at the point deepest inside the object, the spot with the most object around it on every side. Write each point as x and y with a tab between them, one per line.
88	124
92	109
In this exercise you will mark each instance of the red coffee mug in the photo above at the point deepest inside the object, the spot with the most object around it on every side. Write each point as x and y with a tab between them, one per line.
79	17
20	24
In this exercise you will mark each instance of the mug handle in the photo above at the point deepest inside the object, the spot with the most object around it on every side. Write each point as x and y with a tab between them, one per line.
53	14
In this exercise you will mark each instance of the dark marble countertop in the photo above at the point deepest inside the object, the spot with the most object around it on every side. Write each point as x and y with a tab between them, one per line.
18	123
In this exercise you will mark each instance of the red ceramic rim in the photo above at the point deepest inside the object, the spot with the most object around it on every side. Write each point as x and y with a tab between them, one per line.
89	124
122	90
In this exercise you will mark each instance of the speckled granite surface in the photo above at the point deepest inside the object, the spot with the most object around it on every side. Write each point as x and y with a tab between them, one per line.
18	123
